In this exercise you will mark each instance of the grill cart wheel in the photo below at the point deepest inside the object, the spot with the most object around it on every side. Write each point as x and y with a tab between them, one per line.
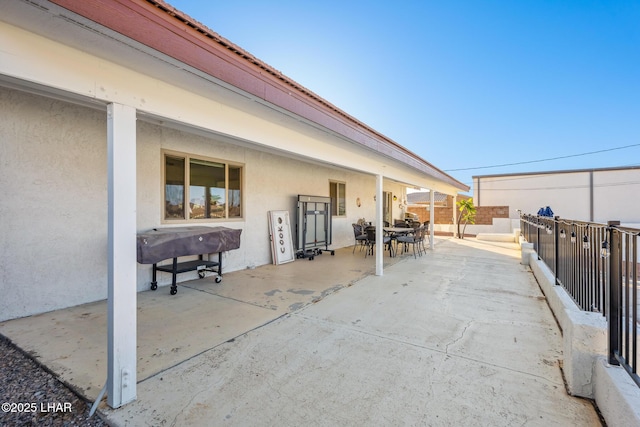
218	279
154	286
173	291
201	274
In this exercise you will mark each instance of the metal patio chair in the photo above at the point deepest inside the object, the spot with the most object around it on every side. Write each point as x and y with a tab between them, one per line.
360	237
415	239
371	241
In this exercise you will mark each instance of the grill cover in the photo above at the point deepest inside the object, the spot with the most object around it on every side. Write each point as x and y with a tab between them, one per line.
165	243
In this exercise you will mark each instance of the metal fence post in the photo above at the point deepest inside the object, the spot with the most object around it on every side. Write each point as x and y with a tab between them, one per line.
536	247
555	250
615	285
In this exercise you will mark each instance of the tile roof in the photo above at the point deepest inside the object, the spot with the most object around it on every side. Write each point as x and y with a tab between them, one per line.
424	197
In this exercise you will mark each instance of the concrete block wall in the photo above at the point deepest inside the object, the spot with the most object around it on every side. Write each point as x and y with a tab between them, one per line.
441	215
444	214
486	214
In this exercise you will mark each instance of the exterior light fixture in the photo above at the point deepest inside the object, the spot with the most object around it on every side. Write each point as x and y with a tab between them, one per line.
585	242
563	235
573	237
549	230
604	251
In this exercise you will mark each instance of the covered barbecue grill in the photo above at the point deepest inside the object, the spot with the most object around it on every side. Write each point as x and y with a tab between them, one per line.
171	243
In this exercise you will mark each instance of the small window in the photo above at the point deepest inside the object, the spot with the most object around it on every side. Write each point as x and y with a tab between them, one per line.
337	192
212	188
174	168
234	189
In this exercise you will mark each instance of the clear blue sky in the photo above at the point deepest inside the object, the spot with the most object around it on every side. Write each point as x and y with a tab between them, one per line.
463	84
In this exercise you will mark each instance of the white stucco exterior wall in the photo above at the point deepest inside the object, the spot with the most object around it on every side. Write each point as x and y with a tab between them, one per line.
568	195
271	182
54	208
597	195
53	127
615	196
54	217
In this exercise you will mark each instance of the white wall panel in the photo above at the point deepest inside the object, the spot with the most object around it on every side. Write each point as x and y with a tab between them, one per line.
599	195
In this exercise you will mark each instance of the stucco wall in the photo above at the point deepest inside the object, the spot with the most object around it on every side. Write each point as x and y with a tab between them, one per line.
571	194
54	204
271	183
615	196
54	209
568	195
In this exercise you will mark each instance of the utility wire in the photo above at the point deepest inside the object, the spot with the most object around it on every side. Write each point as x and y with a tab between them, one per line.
542	160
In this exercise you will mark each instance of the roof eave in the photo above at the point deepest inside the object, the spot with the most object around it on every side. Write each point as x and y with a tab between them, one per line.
160	26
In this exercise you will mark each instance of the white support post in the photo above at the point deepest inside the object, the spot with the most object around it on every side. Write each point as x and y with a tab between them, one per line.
122	340
379	231
432	215
455	217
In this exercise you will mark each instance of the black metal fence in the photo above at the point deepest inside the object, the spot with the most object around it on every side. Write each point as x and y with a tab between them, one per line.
597	264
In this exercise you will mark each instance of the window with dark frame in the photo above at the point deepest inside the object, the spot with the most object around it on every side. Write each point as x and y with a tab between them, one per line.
337	193
212	188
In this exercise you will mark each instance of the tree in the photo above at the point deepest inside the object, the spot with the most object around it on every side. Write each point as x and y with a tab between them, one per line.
467	214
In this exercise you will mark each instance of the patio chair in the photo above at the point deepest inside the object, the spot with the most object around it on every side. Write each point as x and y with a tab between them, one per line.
371	241
360	237
400	223
425	225
414	240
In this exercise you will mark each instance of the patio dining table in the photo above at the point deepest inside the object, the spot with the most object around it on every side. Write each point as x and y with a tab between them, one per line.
394	232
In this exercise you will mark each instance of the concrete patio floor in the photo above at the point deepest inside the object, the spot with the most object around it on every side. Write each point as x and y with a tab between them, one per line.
460	336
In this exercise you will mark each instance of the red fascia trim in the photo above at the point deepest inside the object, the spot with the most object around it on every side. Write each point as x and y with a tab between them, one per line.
158	28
